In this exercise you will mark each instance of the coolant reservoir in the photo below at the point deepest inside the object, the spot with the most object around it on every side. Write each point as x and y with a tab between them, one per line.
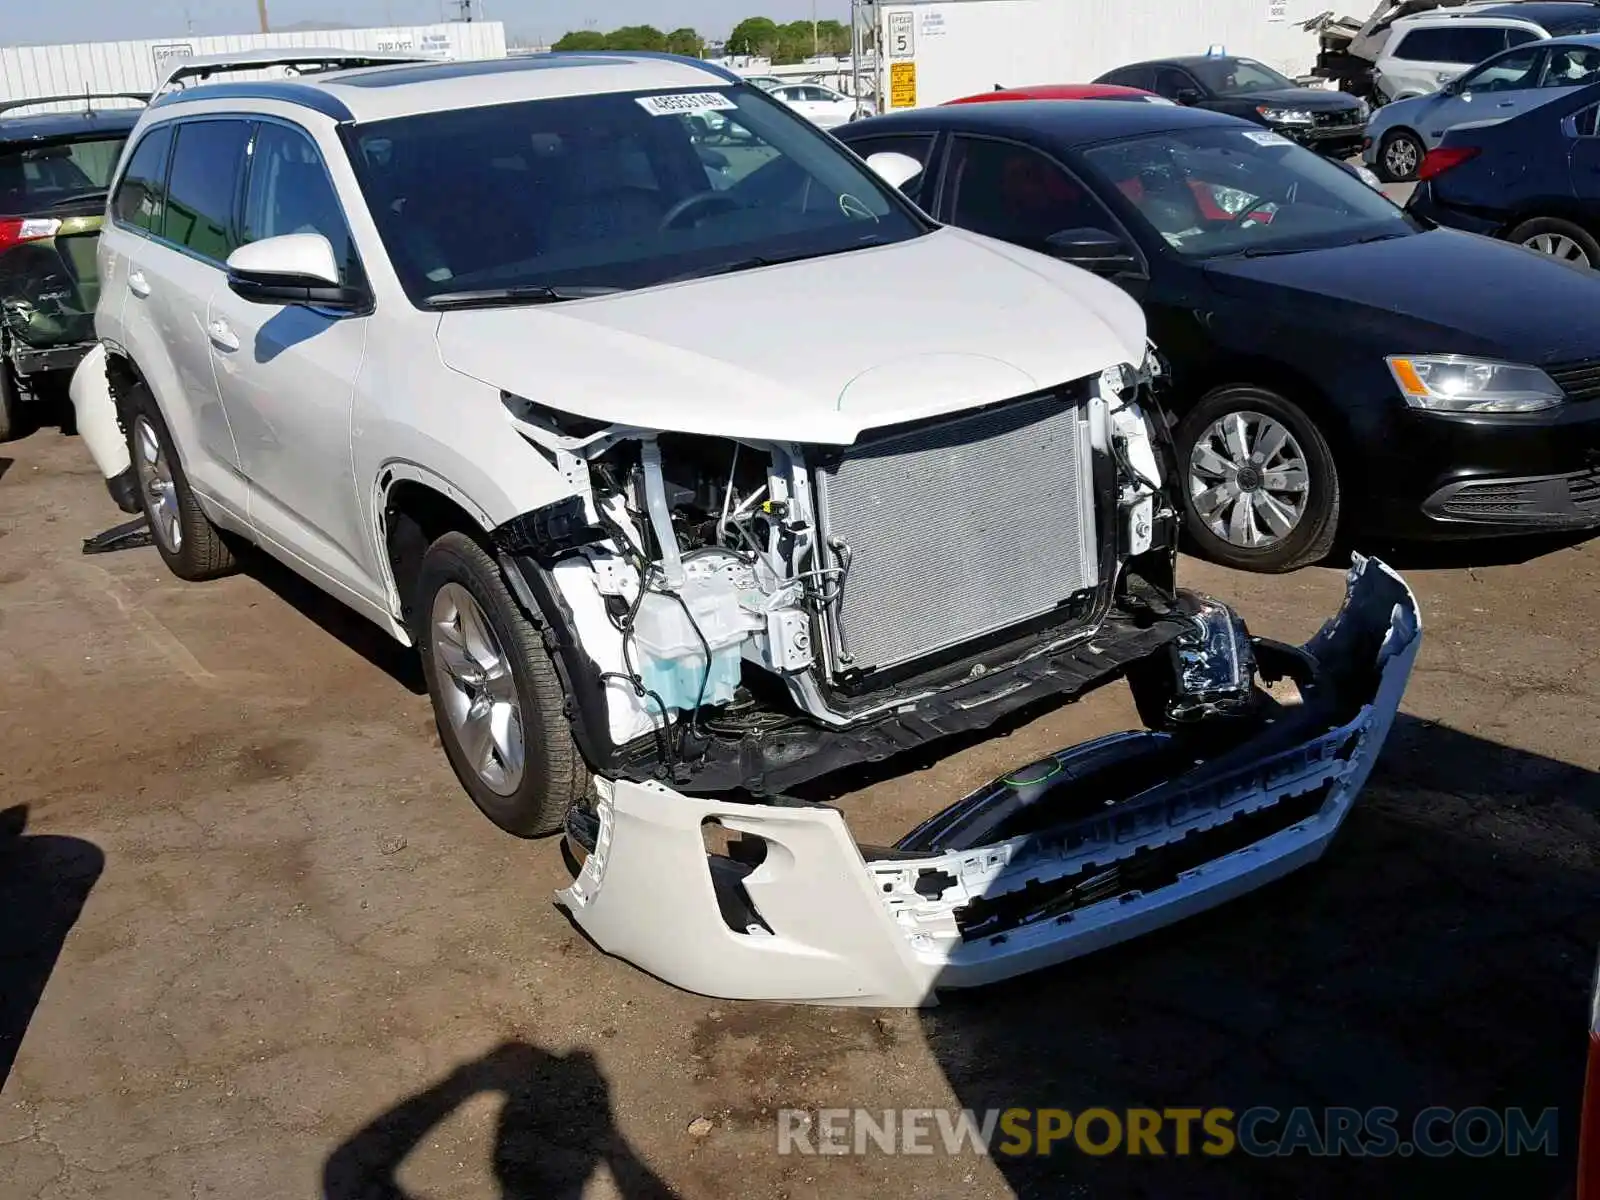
670	654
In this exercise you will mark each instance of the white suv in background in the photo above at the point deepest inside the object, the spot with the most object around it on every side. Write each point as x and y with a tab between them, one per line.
693	482
1427	51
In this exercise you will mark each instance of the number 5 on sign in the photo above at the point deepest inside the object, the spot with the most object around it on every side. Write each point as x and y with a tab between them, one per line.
901	44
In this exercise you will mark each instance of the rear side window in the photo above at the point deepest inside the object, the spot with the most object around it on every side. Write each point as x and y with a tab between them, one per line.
915	145
1137	77
207	165
289	192
142	195
1467	45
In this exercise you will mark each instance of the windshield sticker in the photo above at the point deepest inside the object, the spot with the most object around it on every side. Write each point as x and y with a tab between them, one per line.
1264	137
680	103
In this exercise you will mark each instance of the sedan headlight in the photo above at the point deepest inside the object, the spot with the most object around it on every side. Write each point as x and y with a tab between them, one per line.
1455	383
1285	116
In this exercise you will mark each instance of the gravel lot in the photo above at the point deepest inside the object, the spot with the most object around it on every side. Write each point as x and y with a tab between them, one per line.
261	945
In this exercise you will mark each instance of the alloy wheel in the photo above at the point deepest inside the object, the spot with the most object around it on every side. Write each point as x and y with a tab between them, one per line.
1559	245
478	691
157	486
1248	480
1400	158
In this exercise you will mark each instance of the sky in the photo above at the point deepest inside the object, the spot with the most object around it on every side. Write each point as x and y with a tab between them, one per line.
114	20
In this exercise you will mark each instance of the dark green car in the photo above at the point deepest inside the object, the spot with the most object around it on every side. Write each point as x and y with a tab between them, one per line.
55	168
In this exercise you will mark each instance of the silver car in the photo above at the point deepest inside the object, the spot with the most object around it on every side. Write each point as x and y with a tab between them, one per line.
1510	83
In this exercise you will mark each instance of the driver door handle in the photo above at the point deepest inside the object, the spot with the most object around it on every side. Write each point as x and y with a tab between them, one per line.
222	335
138	284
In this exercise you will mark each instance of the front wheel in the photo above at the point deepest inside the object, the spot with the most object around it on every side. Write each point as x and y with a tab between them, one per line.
1261	492
497	699
1559	239
1400	155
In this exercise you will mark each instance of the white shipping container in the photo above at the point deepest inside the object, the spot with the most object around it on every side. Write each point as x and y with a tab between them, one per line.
71	70
938	50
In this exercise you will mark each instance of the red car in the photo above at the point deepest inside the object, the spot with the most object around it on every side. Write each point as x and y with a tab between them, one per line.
1065	91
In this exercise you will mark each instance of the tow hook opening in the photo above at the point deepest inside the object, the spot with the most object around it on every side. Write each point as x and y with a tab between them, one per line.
731	857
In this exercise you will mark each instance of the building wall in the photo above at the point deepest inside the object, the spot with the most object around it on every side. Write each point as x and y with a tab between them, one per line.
67	70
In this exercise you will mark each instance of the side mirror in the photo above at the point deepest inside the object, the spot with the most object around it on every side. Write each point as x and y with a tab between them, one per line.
1188	96
296	268
1093	250
893	168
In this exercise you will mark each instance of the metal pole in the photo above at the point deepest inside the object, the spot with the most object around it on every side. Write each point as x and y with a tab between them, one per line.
261	11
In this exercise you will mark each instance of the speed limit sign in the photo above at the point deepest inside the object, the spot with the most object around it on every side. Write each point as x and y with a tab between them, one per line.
901	44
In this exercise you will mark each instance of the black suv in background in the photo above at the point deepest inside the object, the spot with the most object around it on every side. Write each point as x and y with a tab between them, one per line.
1331	123
54	170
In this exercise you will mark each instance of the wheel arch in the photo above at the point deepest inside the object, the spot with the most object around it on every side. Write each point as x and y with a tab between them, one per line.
414	507
1245	370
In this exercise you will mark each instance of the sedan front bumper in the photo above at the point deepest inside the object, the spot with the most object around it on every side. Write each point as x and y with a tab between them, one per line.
820	919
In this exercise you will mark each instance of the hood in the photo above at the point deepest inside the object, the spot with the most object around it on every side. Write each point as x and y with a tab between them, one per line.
812	351
1314	99
1435	292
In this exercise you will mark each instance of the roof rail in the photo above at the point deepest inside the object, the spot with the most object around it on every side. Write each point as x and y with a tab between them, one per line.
660	55
86	97
325	58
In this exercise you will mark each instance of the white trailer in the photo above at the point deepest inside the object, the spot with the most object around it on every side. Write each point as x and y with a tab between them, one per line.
137	66
937	50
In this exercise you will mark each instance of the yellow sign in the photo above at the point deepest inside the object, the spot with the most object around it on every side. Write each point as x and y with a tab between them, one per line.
903	85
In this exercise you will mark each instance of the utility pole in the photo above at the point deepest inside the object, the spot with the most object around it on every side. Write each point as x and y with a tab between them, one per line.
261	11
814	49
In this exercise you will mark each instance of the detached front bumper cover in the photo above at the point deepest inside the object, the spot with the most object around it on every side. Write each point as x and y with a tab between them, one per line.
820	920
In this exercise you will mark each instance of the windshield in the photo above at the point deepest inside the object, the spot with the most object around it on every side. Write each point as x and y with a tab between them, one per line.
1238	76
614	191
40	178
1215	191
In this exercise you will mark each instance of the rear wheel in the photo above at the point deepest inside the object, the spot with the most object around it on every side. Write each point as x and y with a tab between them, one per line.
12	417
190	545
1400	155
1260	489
1559	239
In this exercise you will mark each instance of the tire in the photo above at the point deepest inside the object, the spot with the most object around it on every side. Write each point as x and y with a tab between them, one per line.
1408	152
476	705
1560	239
1258	535
13	418
191	546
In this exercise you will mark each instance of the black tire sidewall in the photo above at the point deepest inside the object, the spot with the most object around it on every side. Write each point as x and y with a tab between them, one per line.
202	555
1312	537
1389	139
11	415
538	805
1556	225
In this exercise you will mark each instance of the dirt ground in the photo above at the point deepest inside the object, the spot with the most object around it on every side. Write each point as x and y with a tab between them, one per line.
257	943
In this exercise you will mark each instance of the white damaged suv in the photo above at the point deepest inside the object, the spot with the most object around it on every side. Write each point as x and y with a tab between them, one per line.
698	474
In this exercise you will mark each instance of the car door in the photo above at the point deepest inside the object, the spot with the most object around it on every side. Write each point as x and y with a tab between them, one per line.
1502	87
1582	130
171	275
287	373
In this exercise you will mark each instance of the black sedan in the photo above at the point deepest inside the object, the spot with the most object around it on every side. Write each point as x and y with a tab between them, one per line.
1533	179
1331	123
1334	361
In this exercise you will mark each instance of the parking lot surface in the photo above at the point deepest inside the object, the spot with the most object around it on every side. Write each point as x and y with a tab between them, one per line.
257	943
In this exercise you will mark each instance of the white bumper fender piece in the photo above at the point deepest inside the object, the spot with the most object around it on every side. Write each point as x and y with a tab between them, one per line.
826	925
96	414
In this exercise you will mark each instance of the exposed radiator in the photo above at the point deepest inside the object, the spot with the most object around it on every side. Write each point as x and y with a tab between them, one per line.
959	529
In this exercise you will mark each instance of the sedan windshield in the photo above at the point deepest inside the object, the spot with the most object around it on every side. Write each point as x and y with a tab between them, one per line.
582	194
1225	190
1238	76
38	178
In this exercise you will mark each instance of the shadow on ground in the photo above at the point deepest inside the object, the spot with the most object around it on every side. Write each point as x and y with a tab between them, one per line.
1439	955
555	1129
44	882
1460	555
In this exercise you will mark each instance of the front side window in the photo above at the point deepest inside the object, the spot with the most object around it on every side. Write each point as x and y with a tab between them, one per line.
141	198
1239	76
38	178
289	192
618	191
1217	191
1172	83
1571	66
207	168
1016	193
1511	72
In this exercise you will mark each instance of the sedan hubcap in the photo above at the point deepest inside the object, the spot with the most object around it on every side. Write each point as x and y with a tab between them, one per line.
1248	480
477	689
1558	245
1400	157
156	486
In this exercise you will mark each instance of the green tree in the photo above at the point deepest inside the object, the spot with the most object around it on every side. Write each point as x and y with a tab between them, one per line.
636	37
754	35
685	41
581	39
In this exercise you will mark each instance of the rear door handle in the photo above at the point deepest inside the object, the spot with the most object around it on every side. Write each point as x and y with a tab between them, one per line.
222	335
138	284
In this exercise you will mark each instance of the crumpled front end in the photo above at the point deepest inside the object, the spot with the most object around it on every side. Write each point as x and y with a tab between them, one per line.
1089	847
